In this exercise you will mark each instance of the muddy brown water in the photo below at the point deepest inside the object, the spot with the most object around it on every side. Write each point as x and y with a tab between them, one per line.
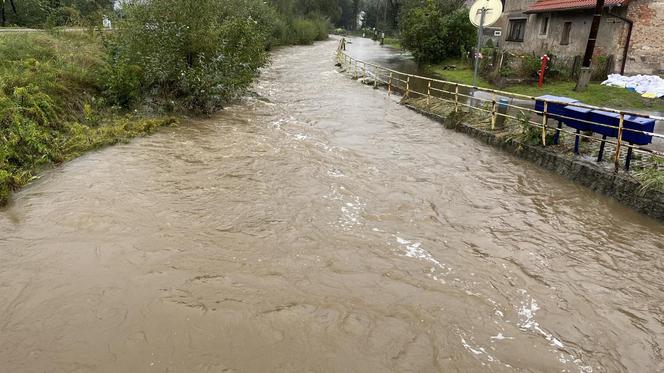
318	226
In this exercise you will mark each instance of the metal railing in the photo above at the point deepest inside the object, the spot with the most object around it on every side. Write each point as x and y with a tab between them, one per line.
486	101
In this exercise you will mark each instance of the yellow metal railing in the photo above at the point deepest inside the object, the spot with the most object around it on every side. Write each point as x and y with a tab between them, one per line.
450	92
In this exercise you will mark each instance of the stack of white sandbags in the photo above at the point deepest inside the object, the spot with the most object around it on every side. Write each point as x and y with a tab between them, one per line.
647	85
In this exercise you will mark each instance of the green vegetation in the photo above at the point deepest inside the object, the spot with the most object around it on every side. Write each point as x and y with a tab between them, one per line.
52	106
596	94
459	71
393	42
436	31
195	54
652	176
52	13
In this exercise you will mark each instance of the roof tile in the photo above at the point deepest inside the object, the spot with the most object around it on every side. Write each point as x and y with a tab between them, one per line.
559	5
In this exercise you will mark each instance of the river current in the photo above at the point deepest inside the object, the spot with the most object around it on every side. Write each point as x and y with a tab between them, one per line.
319	226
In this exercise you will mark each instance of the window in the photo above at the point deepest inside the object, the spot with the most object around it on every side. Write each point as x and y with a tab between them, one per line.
567	28
516	29
544	26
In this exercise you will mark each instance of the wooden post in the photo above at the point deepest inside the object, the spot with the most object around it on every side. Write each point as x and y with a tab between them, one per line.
429	94
456	98
616	159
545	119
389	85
493	112
407	86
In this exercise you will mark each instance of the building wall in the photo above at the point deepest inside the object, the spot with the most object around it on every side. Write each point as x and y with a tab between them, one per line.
646	52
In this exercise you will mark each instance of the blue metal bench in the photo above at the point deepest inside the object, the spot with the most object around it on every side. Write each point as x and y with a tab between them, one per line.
611	123
577	115
603	123
553	108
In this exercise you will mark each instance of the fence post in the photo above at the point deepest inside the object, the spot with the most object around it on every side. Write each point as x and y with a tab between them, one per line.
389	85
545	119
407	86
616	159
493	112
456	98
429	94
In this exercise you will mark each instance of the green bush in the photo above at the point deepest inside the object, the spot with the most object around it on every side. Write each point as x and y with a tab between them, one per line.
305	31
198	53
299	30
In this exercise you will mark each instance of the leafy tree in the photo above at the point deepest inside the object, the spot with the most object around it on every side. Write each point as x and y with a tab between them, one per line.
437	31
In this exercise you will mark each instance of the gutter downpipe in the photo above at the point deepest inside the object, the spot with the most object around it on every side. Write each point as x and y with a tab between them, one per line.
630	25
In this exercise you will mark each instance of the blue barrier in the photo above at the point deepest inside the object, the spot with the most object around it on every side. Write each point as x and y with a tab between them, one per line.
553	108
630	122
576	117
604	123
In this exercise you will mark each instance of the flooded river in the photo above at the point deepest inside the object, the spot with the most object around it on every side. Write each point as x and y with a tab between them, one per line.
318	226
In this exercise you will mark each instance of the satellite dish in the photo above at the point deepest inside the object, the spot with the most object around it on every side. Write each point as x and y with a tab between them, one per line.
492	11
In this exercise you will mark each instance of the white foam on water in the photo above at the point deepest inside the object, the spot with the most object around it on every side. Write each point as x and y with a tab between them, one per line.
500	337
335	173
415	250
527	312
351	213
479	352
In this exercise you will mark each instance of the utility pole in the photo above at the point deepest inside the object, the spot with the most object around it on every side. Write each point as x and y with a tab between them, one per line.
586	71
478	49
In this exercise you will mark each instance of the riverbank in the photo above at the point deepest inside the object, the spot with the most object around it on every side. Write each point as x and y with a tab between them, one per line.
53	107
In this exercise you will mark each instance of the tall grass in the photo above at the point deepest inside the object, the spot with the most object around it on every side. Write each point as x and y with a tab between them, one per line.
652	176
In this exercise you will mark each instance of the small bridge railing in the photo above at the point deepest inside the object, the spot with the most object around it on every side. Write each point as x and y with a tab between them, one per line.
621	126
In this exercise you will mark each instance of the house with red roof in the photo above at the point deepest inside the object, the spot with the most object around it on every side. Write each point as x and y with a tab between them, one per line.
631	34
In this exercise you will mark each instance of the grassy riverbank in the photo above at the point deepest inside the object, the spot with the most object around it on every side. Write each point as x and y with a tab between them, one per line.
393	42
52	105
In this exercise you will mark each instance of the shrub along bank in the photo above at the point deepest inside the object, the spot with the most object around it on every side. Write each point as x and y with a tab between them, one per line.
64	94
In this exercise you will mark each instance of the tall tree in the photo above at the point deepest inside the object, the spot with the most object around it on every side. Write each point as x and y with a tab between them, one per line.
3	15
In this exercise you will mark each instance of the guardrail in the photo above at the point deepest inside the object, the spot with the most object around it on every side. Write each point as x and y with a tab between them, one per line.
488	101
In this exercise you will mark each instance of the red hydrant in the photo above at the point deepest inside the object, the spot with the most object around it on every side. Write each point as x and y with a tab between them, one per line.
545	60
